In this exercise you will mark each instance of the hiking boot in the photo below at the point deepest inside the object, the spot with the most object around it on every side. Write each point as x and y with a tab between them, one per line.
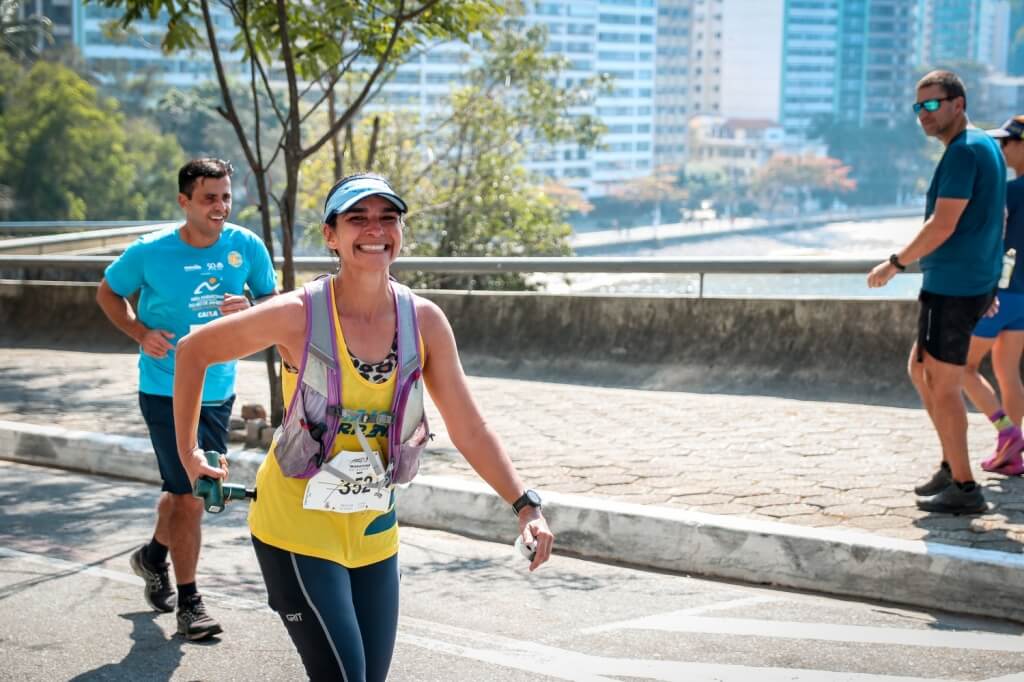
955	500
158	592
194	622
1008	451
939	481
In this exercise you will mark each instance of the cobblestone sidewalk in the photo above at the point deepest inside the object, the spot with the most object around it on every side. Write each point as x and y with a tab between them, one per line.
819	464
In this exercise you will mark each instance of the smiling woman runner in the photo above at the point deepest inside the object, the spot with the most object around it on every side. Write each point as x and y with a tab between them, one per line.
330	562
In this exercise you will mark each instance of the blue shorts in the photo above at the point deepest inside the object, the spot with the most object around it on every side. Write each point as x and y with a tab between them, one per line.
1009	318
343	621
158	412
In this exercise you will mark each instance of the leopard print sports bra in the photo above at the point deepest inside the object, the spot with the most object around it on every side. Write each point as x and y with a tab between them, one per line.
374	372
377	372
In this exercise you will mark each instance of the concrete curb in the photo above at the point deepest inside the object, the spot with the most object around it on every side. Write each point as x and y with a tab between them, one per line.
847	563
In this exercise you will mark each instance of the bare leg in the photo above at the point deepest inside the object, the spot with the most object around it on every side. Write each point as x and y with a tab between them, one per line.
917	377
949	414
184	517
1006	356
976	386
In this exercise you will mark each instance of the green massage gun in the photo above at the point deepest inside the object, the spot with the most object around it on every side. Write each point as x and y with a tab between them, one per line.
214	492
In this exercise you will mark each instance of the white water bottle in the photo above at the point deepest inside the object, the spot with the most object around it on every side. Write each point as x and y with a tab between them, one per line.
527	549
1009	260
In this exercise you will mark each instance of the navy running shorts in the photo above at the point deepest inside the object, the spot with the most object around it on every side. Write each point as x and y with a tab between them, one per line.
946	323
158	412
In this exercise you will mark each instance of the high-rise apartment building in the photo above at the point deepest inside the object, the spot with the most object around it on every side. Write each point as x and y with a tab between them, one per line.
847	60
715	58
958	31
672	84
876	61
614	37
138	52
60	13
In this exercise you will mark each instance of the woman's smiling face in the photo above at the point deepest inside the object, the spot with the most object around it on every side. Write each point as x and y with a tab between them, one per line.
368	235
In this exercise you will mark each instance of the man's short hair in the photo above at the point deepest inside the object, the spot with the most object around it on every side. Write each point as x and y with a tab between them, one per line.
202	168
950	83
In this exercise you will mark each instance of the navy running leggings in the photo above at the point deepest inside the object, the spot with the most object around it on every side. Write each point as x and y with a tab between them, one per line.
342	620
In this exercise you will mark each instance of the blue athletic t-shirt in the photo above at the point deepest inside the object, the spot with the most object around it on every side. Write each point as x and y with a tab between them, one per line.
181	287
1015	231
968	263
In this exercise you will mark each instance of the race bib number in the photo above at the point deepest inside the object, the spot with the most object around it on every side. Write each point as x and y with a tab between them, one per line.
348	483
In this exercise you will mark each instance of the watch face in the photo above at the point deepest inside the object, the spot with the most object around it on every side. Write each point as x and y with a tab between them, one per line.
533	497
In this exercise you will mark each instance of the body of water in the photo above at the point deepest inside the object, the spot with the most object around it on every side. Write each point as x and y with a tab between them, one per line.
868	239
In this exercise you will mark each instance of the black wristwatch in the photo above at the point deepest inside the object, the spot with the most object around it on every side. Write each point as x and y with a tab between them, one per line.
895	260
528	499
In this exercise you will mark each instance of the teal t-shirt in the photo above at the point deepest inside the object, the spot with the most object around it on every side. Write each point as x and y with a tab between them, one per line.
181	287
968	263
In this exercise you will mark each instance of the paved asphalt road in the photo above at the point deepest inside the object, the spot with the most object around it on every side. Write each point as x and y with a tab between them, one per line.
72	610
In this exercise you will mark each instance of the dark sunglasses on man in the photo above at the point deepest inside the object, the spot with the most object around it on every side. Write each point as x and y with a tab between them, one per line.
930	104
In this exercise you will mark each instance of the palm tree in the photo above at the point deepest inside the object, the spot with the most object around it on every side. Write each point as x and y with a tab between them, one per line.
22	37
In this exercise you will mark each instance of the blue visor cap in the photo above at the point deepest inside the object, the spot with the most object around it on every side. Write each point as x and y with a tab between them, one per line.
1012	129
357	189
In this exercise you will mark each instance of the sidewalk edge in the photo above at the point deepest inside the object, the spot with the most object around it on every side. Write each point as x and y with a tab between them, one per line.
838	562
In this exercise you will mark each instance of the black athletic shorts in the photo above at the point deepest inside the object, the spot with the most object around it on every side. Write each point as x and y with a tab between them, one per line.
945	325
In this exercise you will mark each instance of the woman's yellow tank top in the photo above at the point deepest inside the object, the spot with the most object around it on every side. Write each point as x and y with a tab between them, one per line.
277	516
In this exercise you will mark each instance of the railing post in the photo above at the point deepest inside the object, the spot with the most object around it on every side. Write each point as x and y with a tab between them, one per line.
700	287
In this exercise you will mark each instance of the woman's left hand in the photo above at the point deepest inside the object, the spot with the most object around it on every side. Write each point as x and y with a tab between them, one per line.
533	528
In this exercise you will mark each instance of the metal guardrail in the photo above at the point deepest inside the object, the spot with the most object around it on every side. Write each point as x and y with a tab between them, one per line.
491	266
560	265
43	227
80	242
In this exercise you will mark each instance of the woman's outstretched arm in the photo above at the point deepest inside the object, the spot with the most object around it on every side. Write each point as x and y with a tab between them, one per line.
469	432
280	321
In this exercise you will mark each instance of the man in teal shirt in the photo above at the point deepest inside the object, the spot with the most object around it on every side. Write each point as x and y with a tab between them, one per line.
960	249
186	275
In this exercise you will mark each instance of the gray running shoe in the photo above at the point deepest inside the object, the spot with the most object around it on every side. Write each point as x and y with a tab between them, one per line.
158	592
955	500
938	482
194	623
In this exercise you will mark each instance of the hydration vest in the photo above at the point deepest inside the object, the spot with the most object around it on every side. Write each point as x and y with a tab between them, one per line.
306	436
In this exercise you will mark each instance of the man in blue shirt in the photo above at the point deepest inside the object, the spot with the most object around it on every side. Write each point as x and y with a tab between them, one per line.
186	276
960	249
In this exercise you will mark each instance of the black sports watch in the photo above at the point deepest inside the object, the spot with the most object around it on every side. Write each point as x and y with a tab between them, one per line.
528	499
895	260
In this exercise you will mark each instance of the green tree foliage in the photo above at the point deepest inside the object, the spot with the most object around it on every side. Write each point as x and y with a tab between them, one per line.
889	165
72	156
660	187
295	56
727	191
462	173
792	180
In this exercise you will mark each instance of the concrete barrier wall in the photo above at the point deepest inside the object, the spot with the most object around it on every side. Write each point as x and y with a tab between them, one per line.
834	349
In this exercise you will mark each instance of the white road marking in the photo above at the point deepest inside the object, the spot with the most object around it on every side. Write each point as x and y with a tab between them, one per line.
923	637
570	665
644	623
562	663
